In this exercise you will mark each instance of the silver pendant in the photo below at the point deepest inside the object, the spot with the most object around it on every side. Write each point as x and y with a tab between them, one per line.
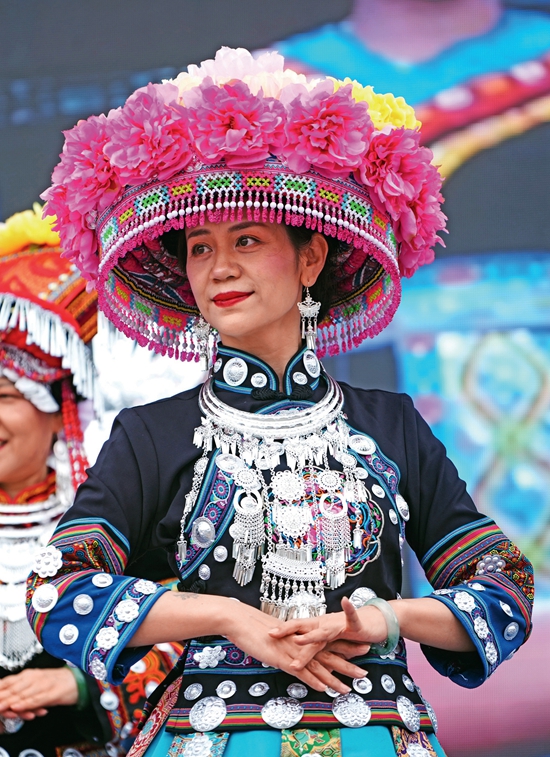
203	533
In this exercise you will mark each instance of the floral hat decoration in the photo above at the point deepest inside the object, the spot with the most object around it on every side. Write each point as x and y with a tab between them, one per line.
243	138
47	319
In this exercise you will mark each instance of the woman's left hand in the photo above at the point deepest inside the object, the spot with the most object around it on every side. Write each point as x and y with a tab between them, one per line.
28	694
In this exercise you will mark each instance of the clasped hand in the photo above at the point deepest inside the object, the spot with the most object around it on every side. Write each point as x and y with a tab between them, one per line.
29	693
310	649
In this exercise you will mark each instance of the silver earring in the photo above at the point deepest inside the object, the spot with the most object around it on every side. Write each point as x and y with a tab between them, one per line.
203	330
309	310
63	479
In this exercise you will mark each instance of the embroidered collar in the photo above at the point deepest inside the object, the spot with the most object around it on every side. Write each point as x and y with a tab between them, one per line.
244	373
34	493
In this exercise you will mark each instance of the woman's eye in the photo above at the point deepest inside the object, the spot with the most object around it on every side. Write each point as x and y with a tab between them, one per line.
199	249
246	241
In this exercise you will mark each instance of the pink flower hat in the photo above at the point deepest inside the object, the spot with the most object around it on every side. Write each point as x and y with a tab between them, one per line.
242	137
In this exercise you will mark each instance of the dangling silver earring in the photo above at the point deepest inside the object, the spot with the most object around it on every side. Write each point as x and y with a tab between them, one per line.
203	330
309	310
63	479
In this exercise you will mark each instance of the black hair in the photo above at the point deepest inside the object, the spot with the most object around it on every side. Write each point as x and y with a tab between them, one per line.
325	289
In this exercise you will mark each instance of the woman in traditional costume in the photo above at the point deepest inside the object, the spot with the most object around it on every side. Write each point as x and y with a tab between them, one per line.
242	200
48	707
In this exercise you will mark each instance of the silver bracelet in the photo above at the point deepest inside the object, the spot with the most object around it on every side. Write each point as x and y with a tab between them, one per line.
392	625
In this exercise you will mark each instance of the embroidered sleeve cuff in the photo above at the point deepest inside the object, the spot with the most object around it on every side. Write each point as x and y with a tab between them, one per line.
96	615
495	628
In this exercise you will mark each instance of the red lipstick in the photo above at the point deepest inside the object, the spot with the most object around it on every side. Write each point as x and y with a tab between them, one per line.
227	299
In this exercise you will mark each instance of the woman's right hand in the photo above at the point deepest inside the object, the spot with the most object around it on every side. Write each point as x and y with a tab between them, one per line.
249	629
28	694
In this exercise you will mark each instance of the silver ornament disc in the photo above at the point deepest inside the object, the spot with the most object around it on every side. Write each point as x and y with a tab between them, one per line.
362	685
388	684
220	553
258	380
258	689
402	506
203	533
299	378
204	572
409	714
351	710
68	634
378	491
282	712
297	690
229	463
364	445
226	689
193	691
45	597
109	700
311	364
102	580
235	371
207	714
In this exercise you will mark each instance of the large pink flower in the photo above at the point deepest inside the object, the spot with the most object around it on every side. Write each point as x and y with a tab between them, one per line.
327	130
404	184
78	241
230	122
83	184
150	135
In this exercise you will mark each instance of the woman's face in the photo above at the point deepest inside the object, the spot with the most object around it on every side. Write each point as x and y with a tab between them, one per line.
26	436
247	280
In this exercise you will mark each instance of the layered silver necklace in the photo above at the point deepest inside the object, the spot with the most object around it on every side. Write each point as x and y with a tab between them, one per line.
24	529
298	521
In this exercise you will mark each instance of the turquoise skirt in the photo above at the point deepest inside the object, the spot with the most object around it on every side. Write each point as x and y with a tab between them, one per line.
371	741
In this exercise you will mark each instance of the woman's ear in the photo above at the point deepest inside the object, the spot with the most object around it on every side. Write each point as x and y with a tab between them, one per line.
313	259
57	422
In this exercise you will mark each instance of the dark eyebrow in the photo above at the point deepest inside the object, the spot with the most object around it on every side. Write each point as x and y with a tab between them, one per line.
236	227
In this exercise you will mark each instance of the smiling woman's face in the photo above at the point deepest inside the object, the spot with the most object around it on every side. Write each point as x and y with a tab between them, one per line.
26	436
247	280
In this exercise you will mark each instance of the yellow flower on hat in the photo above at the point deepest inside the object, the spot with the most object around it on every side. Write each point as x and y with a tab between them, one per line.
28	227
384	109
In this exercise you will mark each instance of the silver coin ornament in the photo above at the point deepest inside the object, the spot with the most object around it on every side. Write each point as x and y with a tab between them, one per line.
331	692
220	553
30	753
45	598
282	712
393	516
408	713
207	714
311	364
203	533
102	580
258	689
70	752
378	491
83	604
217	365
431	714
360	473
299	378
193	691
150	686
226	689
68	634
363	445
139	667
511	631
351	710
408	682
297	691
361	596
362	685
388	684
402	506
258	380
505	608
109	700
235	371
204	572
3	752
229	463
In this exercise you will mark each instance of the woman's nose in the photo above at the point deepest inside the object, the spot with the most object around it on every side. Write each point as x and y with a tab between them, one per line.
225	264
